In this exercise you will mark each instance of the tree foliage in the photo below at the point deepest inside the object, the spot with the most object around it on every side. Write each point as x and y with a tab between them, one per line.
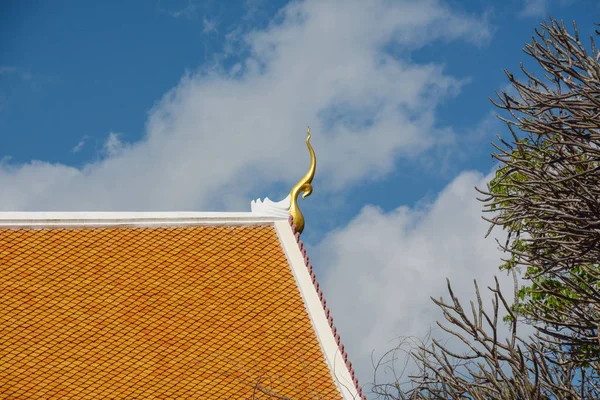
546	193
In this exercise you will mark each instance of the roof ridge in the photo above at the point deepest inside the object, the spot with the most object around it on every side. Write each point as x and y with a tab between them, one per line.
325	308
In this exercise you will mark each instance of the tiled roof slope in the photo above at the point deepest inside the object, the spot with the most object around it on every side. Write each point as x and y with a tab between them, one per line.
183	312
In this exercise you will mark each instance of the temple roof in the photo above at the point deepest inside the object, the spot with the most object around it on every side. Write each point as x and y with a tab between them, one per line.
163	305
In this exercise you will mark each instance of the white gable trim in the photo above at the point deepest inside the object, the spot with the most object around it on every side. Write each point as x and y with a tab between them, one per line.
315	310
39	220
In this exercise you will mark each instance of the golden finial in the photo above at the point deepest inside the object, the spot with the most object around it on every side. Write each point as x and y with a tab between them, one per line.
303	185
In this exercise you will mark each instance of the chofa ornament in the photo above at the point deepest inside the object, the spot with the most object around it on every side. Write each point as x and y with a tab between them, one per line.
289	205
303	186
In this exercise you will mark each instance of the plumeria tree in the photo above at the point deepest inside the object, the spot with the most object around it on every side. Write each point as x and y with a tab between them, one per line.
546	198
546	193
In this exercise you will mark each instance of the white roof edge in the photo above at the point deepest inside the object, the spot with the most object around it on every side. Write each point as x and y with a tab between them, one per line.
41	219
315	310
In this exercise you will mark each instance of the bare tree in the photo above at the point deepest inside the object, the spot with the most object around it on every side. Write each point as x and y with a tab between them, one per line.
546	194
492	367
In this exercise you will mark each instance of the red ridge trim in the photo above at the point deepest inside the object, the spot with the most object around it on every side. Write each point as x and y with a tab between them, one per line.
309	267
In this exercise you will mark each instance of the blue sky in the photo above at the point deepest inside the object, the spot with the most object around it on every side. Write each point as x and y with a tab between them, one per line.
202	106
72	72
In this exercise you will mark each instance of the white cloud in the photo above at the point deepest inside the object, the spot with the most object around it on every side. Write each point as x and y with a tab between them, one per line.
219	133
189	11
535	8
254	8
79	146
32	181
113	145
209	25
380	270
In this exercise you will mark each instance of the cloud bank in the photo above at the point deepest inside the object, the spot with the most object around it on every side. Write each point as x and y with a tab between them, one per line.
225	131
383	267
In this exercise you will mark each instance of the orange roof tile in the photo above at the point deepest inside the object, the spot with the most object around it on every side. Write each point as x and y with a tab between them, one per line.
189	312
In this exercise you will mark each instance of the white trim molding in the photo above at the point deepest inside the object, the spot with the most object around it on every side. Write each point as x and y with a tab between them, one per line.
39	220
333	357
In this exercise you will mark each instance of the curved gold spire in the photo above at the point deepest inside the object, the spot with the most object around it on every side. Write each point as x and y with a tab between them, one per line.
303	185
